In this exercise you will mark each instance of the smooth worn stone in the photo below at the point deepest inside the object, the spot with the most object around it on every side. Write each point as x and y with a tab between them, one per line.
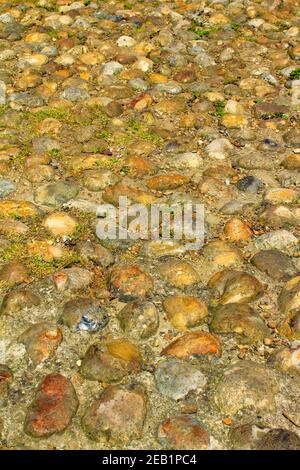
118	415
112	68
166	182
282	240
55	194
183	432
110	361
279	439
175	379
184	312
222	253
19	209
139	165
235	287
53	408
280	216
6	377
84	314
275	264
98	254
72	279
139	319
19	299
45	144
250	184
60	224
130	282
289	303
239	320
218	149
112	193
234	121
41	341
246	385
178	273
6	188
160	248
190	160
245	436
287	359
196	343
13	227
46	250
74	94
96	180
13	273
291	162
292	138
236	230
282	195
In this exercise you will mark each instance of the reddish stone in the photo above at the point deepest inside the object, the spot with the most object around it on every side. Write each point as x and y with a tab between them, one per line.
130	282
119	414
166	182
53	408
195	343
183	433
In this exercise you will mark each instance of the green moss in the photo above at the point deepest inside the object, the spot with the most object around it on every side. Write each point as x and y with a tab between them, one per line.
202	32
3	109
141	130
250	38
236	27
295	74
54	153
219	108
14	251
38	267
274	116
62	114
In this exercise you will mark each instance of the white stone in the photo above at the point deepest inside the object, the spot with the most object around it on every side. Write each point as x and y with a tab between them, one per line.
125	41
218	148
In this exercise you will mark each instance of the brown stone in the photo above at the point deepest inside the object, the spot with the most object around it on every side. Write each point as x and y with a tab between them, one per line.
112	194
235	287
166	182
130	282
6	377
110	361
178	273
183	433
22	209
240	320
41	341
196	343
222	253
291	162
139	319
13	273
16	300
236	230
118	415
184	312
53	408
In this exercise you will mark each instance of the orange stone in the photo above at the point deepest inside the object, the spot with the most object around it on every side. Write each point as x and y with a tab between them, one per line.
196	343
131	282
54	406
237	230
165	182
